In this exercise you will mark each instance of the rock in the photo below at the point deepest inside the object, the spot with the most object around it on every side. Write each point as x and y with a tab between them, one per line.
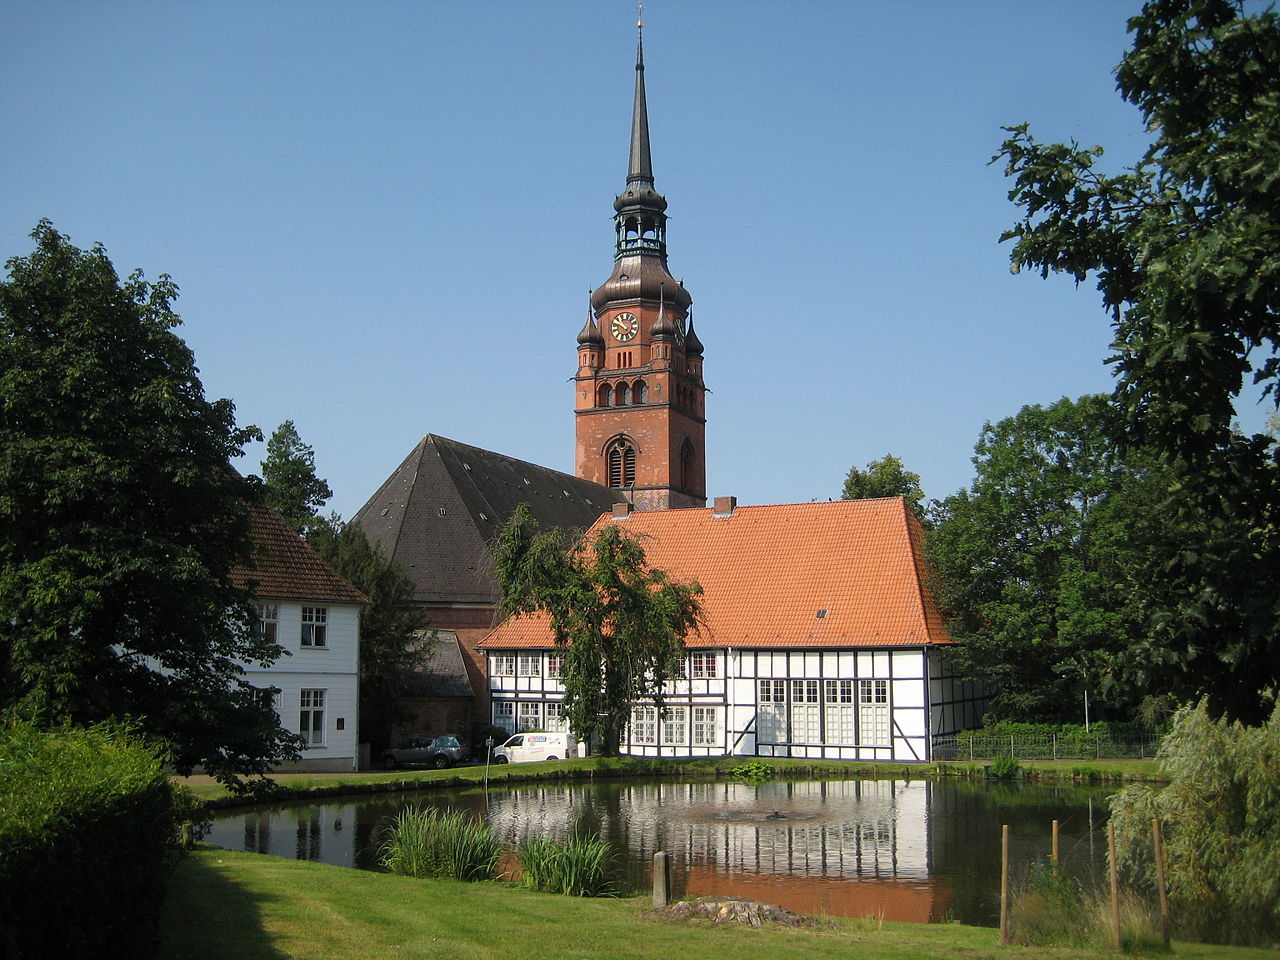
733	910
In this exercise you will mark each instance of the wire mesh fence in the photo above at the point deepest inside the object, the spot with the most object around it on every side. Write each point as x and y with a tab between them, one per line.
1045	748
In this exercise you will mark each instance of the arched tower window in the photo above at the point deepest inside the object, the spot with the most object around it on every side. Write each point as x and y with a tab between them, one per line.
620	462
639	392
622	395
686	465
605	396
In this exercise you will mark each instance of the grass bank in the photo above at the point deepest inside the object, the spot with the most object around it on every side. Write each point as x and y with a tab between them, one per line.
300	785
254	907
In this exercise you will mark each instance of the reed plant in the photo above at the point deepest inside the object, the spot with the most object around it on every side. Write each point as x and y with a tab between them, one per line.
1055	910
582	866
425	842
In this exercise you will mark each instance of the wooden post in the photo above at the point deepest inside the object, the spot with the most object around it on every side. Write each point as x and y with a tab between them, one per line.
1004	884
1054	854
1115	887
661	879
186	838
1160	884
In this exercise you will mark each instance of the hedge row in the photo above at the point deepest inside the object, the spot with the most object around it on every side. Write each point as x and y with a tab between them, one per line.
85	822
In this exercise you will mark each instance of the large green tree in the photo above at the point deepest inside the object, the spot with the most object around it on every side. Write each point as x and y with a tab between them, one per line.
619	624
1184	251
886	477
1034	563
121	519
390	625
290	482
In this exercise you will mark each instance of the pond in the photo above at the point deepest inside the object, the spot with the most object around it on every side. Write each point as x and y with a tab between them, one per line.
916	850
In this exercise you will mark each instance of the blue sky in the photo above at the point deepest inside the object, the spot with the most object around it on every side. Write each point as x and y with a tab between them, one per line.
384	217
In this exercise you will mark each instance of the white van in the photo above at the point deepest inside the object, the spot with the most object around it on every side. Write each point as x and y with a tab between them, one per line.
527	747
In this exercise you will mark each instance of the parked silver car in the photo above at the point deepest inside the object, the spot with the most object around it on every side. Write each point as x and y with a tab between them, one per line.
439	752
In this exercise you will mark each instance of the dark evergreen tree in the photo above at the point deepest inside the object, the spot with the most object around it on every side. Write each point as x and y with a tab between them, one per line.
290	482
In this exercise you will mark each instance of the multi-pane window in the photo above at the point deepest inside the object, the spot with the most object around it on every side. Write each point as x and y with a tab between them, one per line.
311	717
771	712
840	712
644	725
530	716
556	722
873	712
504	715
806	722
675	725
555	663
706	726
314	626
504	665
268	619
702	665
530	664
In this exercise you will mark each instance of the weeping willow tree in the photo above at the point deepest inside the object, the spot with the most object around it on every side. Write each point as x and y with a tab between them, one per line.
619	624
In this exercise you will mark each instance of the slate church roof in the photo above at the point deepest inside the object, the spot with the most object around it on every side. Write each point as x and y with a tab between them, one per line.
845	573
437	514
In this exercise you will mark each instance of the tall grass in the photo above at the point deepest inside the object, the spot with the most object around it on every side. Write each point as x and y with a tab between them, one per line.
1054	909
582	866
424	842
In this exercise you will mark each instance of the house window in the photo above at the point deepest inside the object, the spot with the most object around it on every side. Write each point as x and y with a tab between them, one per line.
771	712
311	718
555	663
530	664
702	665
840	712
504	665
556	722
504	715
873	712
806	714
675	725
706	726
314	624
644	725
530	714
268	619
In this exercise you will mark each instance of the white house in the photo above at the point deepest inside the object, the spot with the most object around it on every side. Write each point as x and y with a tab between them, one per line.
314	614
820	638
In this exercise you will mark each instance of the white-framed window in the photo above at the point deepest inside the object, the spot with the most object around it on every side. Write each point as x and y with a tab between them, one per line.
675	725
315	621
706	726
529	715
806	714
530	665
556	723
268	619
840	712
771	712
873	713
703	666
311	717
504	715
504	665
555	663
644	725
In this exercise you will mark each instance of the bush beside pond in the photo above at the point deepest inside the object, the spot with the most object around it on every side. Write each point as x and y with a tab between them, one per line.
86	817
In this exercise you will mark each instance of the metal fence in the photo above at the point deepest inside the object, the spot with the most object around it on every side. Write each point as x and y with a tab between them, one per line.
1044	748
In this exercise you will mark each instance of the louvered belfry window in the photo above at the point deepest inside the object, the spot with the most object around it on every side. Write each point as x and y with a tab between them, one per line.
622	463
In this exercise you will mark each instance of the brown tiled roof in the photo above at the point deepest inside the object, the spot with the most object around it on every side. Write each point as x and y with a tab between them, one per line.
847	573
438	512
285	567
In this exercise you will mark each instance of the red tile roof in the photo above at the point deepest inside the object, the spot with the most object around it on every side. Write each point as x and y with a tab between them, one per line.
845	573
285	567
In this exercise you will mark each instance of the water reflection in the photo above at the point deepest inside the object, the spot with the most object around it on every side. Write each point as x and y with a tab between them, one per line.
903	850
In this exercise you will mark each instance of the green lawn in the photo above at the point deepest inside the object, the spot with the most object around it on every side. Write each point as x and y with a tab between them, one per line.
249	906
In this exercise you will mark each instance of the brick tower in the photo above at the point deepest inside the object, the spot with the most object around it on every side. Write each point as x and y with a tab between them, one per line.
639	396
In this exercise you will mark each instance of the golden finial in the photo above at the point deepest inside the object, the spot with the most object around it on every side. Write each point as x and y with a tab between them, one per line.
640	14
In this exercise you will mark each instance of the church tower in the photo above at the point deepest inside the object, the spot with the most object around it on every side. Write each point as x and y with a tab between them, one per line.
639	396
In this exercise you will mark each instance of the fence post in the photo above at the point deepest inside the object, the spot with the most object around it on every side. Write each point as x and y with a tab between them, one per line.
661	879
1011	749
1164	893
971	749
1054	855
1004	884
1055	747
1115	887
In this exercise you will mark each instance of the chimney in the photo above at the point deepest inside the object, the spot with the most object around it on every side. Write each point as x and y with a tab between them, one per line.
724	506
621	511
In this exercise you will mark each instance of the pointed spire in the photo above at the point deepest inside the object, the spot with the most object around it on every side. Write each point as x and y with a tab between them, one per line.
662	326
692	345
590	335
641	165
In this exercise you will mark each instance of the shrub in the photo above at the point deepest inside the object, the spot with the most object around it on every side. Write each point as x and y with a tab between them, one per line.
424	842
1005	767
85	819
753	771
582	866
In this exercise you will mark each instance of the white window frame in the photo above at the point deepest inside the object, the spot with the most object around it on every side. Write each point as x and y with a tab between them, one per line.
706	727
771	711
704	666
528	715
504	715
874	726
268	620
840	713
311	707
504	664
675	726
529	664
315	627
806	712
555	663
644	726
556	721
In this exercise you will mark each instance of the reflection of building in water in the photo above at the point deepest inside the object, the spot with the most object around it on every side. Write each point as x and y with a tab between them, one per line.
328	832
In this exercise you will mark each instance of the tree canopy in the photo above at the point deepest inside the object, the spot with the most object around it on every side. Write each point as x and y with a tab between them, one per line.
886	477
1183	249
290	482
121	518
619	624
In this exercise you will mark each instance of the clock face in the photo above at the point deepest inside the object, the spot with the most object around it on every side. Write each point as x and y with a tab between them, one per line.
624	326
